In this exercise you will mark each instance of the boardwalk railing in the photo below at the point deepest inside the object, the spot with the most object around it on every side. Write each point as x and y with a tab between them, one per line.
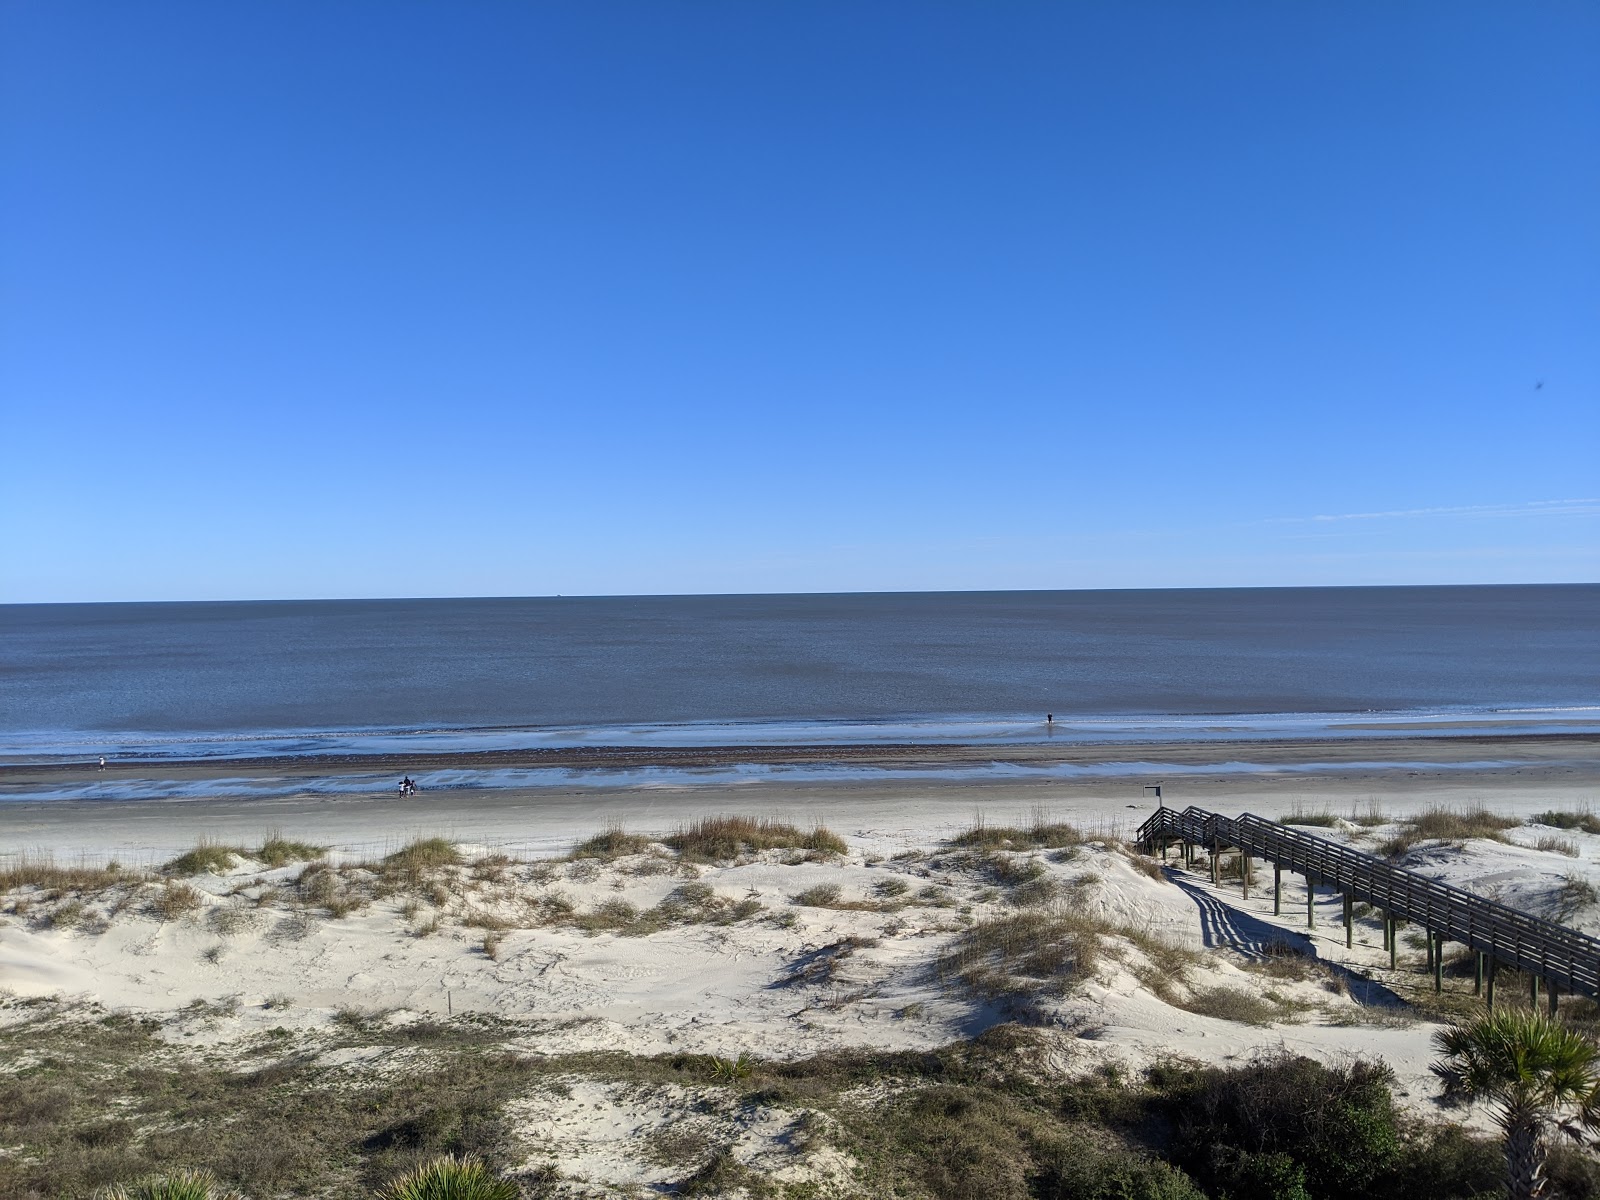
1563	957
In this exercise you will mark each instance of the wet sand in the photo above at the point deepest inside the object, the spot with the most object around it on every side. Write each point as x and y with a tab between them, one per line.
1524	775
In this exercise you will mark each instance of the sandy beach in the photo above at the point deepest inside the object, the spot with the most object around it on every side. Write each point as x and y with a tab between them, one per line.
395	916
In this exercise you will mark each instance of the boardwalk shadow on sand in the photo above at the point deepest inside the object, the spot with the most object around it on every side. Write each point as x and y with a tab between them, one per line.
1222	926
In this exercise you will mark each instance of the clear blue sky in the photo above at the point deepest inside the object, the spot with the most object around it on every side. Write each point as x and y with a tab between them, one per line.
397	298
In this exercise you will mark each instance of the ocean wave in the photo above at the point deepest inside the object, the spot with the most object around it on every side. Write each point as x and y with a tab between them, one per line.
442	783
1013	729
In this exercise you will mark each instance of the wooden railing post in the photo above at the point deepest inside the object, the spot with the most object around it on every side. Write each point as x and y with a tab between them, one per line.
1277	890
1349	920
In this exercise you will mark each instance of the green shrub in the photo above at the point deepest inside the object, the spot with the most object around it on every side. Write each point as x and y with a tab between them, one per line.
1243	1131
1582	819
451	1178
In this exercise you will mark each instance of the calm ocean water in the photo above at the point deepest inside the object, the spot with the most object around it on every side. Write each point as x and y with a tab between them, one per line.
310	677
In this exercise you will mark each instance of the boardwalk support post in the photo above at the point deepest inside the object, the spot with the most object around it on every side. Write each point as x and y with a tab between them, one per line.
1277	890
1244	873
1428	937
1311	903
1438	962
1394	946
1383	916
1216	861
1349	921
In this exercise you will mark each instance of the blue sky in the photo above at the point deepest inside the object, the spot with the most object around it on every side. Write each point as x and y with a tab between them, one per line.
390	298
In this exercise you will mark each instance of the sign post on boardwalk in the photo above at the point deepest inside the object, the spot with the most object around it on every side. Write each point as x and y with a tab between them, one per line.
1156	788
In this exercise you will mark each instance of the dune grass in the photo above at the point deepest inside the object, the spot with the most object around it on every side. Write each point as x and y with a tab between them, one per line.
279	851
207	857
1446	824
43	872
1040	834
611	843
723	839
1583	820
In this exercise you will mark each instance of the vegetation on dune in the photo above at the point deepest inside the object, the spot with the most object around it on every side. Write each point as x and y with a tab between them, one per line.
1583	820
451	1178
206	857
43	872
424	854
726	839
612	842
1446	824
279	851
1537	1075
1041	834
97	1102
180	1185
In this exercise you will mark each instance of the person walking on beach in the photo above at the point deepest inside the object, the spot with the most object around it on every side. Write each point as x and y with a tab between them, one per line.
102	762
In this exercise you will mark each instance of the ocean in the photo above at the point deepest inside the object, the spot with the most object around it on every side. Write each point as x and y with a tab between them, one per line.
198	680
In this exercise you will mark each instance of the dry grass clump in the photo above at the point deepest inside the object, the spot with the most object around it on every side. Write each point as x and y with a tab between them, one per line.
1573	896
1321	819
1230	1004
1026	954
691	904
207	857
424	854
724	839
320	886
1041	834
1558	845
279	851
613	842
1446	824
174	900
43	872
1581	819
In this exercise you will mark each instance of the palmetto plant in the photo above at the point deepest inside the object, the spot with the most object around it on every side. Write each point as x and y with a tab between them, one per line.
1538	1076
181	1185
450	1178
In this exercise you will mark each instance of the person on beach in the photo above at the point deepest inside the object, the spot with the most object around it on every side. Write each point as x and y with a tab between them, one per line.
102	762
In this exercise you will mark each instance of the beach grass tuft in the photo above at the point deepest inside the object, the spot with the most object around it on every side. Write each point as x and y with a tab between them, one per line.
279	851
207	857
1583	820
424	854
611	843
723	839
43	872
1445	824
1041	834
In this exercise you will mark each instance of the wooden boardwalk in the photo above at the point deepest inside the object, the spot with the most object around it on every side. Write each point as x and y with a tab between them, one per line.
1564	959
